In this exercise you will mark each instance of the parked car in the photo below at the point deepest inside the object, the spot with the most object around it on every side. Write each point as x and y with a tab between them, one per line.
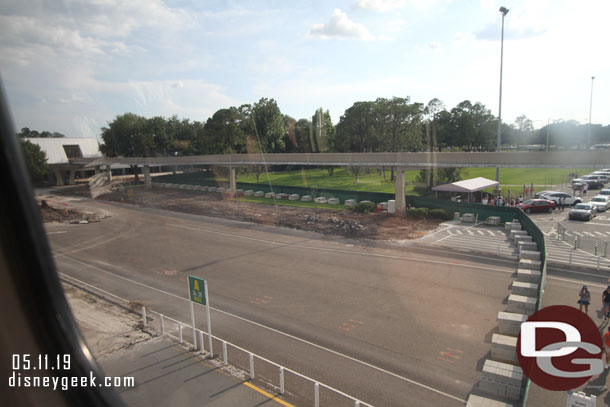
601	202
582	211
602	175
556	196
577	181
604	192
594	181
537	205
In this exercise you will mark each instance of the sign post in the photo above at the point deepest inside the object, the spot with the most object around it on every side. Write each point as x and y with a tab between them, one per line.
193	319
198	292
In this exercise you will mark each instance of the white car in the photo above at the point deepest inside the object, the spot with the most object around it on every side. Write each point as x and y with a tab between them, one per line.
604	192
556	196
601	202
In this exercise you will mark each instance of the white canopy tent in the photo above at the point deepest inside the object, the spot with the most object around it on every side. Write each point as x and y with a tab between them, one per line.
467	186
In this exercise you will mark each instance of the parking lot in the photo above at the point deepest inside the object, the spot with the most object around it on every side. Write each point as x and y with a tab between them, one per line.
574	245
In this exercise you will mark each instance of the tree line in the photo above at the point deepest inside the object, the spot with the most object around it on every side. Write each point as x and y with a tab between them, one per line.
383	125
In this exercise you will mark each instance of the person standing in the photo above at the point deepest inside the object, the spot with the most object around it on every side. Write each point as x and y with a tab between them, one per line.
606	302
585	299
607	347
585	188
563	203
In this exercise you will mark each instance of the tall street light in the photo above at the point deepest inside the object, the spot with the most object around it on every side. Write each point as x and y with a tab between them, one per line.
590	108
504	11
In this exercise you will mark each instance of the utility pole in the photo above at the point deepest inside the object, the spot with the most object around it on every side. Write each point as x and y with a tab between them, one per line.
504	11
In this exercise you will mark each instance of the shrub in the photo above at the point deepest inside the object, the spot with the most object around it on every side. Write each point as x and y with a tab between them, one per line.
364	207
418	213
441	214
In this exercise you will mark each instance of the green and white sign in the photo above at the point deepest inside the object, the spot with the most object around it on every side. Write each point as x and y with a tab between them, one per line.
197	290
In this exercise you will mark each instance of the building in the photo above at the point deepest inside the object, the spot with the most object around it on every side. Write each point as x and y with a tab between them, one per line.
67	155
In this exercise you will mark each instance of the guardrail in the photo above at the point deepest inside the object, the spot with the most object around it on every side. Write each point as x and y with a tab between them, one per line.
240	357
592	245
243	359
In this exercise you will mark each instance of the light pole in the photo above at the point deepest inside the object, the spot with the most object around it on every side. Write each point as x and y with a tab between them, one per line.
504	11
590	109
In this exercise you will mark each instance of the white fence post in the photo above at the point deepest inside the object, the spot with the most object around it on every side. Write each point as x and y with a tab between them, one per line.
201	341
281	380
162	325
597	263
225	358
251	366
180	332
356	403
144	317
316	391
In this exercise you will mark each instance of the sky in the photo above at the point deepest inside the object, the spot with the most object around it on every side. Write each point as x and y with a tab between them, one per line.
72	66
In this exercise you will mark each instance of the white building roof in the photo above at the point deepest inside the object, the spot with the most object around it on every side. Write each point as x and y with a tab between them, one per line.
56	154
469	185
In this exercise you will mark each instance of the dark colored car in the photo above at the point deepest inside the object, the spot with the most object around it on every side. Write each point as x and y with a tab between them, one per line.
594	181
537	205
582	211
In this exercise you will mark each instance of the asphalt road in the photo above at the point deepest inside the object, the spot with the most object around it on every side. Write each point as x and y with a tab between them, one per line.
390	327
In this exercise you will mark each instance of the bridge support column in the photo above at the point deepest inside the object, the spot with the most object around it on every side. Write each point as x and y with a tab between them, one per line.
59	180
232	181
399	182
72	179
146	171
109	174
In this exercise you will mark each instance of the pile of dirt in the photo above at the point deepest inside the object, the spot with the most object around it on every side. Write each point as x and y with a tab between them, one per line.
106	326
343	222
66	215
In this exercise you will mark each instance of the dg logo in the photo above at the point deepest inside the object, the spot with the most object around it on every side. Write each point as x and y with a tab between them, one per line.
560	348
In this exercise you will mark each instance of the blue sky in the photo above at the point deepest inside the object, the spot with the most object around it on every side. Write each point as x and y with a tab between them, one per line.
72	66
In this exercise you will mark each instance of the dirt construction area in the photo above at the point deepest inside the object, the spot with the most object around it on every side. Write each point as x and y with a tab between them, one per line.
343	222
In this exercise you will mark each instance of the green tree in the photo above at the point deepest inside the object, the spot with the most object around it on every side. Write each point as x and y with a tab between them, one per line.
225	132
323	131
128	136
473	127
264	120
35	160
27	133
356	129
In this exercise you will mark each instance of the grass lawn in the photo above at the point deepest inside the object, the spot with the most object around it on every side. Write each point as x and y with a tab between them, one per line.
341	179
510	178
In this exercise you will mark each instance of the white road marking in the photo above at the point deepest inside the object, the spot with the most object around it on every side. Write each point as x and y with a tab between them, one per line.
481	232
278	332
459	232
57	233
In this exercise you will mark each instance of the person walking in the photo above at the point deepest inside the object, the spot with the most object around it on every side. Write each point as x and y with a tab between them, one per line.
585	188
585	299
563	203
606	302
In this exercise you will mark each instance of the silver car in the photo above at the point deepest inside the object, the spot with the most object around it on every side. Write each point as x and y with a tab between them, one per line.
556	196
601	202
582	211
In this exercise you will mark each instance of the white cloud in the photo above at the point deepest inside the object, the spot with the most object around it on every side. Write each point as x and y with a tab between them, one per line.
341	26
381	6
434	45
